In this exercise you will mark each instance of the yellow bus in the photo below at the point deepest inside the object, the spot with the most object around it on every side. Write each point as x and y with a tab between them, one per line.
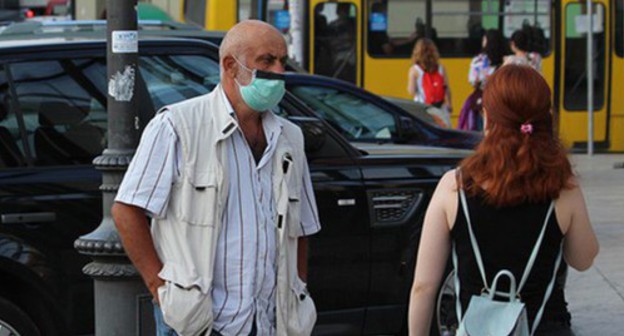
369	42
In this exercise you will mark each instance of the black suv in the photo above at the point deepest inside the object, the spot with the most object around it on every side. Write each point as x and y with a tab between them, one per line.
53	122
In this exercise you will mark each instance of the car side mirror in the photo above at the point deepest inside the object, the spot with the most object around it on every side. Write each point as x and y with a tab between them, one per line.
314	133
407	128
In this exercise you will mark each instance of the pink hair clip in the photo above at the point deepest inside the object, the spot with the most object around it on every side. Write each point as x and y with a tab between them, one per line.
526	128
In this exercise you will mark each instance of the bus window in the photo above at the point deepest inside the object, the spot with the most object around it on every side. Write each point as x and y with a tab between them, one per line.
278	15
244	10
195	12
533	17
619	28
460	25
394	26
335	40
575	72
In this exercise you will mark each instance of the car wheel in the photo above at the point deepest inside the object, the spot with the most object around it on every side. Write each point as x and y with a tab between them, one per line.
14	321
446	316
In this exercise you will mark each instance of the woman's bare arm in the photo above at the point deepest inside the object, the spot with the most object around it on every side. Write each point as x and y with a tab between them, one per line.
433	254
412	77
580	245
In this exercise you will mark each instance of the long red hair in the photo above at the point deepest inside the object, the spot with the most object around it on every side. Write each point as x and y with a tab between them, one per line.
513	166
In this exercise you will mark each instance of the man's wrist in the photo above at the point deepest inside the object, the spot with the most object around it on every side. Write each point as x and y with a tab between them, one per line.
154	283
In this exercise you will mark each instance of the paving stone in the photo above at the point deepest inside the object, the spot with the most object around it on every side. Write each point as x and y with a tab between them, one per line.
596	296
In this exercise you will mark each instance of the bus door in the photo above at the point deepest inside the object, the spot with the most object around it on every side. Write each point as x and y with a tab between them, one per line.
572	89
335	41
616	111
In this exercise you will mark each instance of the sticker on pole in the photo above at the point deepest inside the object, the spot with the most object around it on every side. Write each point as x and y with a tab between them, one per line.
121	85
125	41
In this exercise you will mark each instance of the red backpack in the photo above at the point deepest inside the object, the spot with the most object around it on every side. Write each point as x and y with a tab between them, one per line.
434	87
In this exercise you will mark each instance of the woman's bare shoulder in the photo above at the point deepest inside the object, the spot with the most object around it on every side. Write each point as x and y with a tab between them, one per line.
448	183
413	71
572	191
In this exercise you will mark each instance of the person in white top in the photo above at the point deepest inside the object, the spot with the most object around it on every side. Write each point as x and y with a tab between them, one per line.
427	81
519	45
206	171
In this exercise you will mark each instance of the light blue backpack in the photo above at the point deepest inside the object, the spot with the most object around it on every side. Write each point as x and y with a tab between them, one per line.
484	315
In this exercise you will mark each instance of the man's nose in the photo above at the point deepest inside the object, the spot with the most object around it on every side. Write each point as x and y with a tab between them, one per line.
278	67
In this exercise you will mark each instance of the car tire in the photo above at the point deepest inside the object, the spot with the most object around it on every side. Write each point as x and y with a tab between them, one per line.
445	313
14	319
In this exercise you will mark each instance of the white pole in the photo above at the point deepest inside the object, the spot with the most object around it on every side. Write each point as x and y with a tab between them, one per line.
590	79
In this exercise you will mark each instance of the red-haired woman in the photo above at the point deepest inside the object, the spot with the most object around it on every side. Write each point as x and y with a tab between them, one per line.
509	183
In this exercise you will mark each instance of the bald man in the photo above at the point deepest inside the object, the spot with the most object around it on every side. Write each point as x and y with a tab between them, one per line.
227	186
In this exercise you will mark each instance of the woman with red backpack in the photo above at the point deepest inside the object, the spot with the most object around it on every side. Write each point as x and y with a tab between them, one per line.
427	80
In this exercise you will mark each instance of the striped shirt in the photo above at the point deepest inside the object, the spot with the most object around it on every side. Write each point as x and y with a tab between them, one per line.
244	282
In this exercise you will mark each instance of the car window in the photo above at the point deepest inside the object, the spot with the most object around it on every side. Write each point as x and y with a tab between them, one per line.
171	79
56	102
11	146
63	103
354	117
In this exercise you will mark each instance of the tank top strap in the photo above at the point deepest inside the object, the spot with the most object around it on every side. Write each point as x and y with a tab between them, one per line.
420	70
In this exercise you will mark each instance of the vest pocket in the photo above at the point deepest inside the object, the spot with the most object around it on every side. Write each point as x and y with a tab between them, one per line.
186	308
198	202
295	228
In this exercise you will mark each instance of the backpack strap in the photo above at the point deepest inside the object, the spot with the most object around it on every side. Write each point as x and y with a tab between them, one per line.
419	69
475	245
458	309
536	248
549	290
473	239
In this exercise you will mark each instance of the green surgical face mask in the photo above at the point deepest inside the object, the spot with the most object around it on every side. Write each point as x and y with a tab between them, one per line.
265	90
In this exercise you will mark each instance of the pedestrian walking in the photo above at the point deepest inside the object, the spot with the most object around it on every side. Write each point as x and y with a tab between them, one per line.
228	188
519	45
481	68
516	187
427	80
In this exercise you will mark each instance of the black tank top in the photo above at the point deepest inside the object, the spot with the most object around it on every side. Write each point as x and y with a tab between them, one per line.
506	237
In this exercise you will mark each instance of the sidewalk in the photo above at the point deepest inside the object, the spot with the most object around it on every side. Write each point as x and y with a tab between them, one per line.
596	296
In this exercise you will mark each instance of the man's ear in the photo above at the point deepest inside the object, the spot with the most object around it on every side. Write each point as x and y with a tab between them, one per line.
230	66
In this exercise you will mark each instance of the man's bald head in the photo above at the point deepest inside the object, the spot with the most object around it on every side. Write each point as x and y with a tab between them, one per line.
250	45
247	36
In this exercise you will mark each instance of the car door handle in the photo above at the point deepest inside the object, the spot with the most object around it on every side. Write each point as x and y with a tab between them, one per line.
28	217
346	202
